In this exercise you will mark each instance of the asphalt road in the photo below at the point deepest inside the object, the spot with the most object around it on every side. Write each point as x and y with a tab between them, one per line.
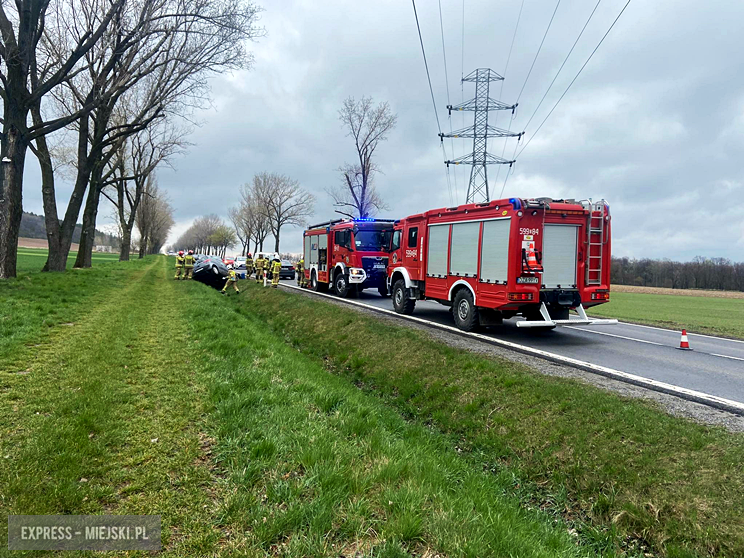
715	365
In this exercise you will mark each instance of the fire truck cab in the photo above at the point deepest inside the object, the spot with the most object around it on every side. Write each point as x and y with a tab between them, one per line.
348	255
536	258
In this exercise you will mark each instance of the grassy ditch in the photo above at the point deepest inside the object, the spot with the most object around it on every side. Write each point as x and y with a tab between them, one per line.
316	467
625	474
698	314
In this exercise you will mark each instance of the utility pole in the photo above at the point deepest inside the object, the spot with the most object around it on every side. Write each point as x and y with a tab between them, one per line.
480	131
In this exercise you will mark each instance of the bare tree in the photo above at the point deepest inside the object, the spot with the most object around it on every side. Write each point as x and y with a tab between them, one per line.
26	77
241	224
283	201
135	161
188	41
254	216
222	238
154	218
367	125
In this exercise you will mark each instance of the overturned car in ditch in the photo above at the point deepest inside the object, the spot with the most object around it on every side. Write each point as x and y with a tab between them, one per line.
211	271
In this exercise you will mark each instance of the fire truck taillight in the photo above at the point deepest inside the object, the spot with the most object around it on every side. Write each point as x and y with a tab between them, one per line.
600	295
520	297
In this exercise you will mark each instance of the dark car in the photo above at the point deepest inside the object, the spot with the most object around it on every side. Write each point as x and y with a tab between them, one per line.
211	271
287	271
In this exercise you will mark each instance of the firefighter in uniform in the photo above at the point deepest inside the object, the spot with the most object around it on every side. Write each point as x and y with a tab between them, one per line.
259	268
188	262
276	267
179	264
231	278
248	265
266	270
300	267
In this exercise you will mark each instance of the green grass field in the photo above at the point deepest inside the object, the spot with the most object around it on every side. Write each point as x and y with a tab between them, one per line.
714	316
33	259
270	424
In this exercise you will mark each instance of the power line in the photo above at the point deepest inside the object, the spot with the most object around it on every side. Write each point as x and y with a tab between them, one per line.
508	58
529	73
538	50
564	63
575	77
431	90
426	65
446	82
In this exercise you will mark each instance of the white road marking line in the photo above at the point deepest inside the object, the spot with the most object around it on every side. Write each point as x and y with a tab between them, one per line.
727	356
689	394
618	336
678	332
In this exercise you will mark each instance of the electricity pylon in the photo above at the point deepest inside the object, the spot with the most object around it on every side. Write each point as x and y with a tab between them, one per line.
480	131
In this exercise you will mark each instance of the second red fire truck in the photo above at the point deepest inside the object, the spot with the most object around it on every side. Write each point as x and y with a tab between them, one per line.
537	258
348	255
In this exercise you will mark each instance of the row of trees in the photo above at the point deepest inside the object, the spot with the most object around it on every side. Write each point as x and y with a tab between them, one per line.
96	85
269	204
700	273
207	235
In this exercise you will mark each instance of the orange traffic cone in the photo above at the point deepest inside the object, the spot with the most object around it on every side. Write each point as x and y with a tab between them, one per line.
532	263
683	343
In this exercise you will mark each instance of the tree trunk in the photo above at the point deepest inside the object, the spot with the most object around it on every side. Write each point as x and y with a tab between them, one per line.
126	244
143	246
13	150
88	232
59	235
276	241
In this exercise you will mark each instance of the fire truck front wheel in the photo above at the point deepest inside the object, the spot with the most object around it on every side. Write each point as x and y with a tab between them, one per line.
464	311
401	303
341	285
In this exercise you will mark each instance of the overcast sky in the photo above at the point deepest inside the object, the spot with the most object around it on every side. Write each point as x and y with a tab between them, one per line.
654	124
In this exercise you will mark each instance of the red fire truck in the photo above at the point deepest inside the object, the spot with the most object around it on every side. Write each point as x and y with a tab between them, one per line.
348	254
537	258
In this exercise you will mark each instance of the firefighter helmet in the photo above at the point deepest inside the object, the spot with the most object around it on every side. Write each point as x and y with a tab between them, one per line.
180	252
229	266
191	252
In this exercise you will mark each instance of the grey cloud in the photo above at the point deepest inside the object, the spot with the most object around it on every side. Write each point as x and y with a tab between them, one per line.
654	124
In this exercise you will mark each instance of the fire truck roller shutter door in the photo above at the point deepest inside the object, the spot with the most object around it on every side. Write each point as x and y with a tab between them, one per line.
436	258
313	241
559	256
306	255
323	252
464	256
495	251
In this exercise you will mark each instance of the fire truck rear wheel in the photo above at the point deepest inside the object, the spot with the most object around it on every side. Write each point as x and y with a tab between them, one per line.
316	285
341	285
464	311
401	303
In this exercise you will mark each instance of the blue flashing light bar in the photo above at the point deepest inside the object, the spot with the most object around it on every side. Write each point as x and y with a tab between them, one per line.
516	203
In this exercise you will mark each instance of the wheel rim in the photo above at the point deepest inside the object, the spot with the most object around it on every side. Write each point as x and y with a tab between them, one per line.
340	284
463	309
399	297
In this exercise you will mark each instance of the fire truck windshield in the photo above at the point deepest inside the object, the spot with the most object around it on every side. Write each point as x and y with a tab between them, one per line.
371	241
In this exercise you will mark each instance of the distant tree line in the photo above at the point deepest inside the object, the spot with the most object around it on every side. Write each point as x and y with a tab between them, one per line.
700	273
33	226
207	235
